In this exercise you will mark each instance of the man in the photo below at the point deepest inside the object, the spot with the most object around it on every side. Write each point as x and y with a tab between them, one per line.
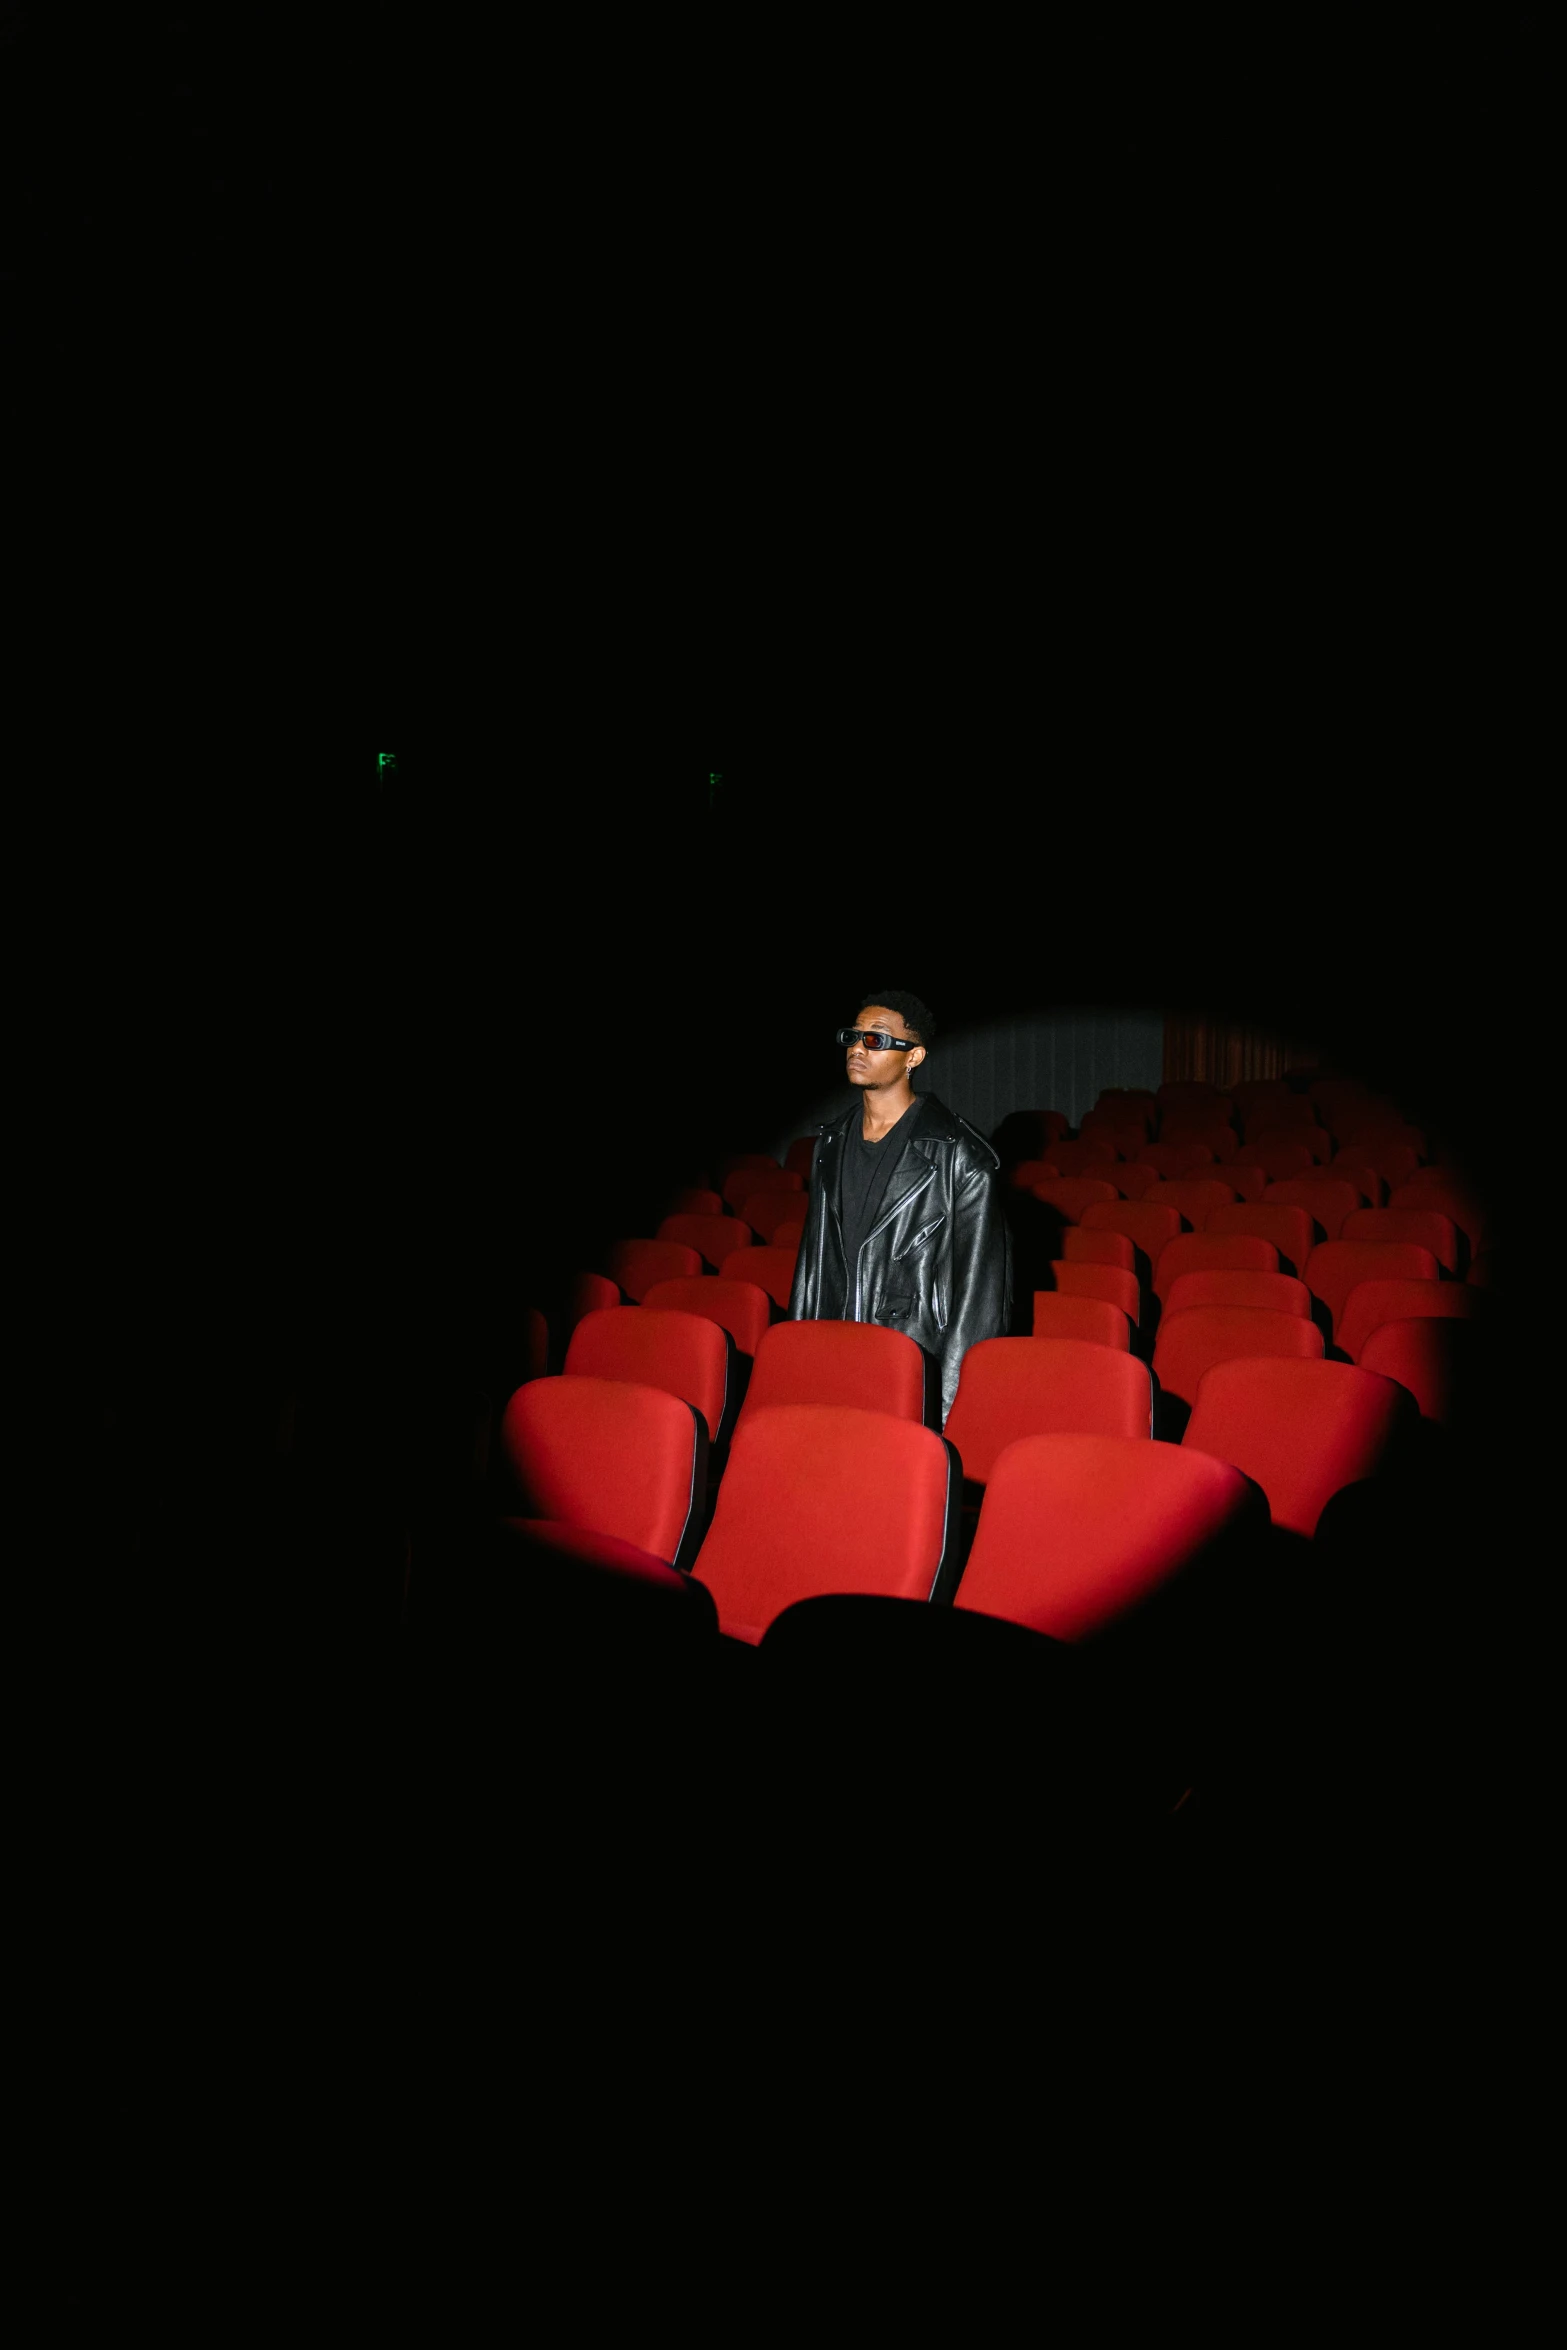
904	1225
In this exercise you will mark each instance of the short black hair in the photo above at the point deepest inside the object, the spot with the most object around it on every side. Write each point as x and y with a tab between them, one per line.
916	1017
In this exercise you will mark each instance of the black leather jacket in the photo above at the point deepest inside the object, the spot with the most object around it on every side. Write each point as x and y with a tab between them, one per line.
938	1260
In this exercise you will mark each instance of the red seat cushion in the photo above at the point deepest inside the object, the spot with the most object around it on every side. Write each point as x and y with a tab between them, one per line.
1012	1387
1076	1532
820	1498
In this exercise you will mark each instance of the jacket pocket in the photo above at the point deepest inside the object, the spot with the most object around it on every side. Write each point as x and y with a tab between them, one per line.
918	1239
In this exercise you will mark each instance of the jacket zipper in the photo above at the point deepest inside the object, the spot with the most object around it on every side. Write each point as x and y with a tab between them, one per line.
896	1209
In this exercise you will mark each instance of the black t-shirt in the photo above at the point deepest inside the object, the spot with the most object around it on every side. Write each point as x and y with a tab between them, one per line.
866	1167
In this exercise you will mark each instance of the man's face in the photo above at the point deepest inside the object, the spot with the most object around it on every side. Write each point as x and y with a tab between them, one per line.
869	1070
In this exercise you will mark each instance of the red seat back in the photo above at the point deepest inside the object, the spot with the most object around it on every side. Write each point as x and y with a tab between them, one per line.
1327	1199
588	1292
819	1498
1072	1194
713	1237
1371	1303
790	1233
1432	1190
771	1269
686	1353
1281	1293
1229	1252
1028	1172
1300	1430
1097	1248
1426	1227
1059	1315
746	1182
1114	1285
1193	1197
739	1307
637	1264
1012	1387
1334	1266
1127	1178
1079	1158
767	1212
1076	1532
1425	1356
695	1202
1194	1339
1288	1228
1147	1227
621	1460
857	1364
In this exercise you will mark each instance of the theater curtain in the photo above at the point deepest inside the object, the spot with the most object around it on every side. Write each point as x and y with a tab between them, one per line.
1222	1054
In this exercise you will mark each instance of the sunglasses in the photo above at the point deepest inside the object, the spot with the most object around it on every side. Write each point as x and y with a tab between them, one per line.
876	1040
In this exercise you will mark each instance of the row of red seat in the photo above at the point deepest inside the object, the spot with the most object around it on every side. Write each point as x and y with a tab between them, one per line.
830	1497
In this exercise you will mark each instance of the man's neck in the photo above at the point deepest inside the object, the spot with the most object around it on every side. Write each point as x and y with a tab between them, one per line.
882	1106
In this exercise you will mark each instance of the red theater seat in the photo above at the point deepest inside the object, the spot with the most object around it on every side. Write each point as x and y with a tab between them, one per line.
771	1269
1174	1159
1302	1431
1097	1248
1125	1136
620	1460
1028	1172
690	1355
1130	1180
739	1307
1357	1169
1192	1252
1012	1387
1335	1266
769	1211
1426	1356
1146	1227
587	1294
746	1182
1289	1229
1194	1197
1328	1199
1221	1141
1079	1158
695	1202
1426	1227
790	1233
819	1498
1114	1285
856	1364
1194	1339
799	1156
1072	1194
1313	1140
1280	1159
713	1237
1394	1162
1432	1190
1245	1179
1281	1293
1058	1315
637	1264
1076	1532
1371	1303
